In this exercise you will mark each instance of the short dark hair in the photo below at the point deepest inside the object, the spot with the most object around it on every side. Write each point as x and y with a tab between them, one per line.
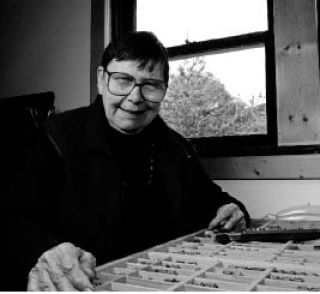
142	46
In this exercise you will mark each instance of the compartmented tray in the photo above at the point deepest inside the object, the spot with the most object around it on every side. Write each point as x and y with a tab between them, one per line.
197	262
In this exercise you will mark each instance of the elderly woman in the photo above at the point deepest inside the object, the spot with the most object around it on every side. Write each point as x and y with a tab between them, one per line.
110	179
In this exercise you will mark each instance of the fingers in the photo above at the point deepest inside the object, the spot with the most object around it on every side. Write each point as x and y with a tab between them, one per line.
49	262
231	222
39	280
219	220
74	273
223	214
63	268
33	281
228	217
240	225
88	264
61	282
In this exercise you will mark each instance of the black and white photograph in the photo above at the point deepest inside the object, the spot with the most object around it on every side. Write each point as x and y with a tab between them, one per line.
160	145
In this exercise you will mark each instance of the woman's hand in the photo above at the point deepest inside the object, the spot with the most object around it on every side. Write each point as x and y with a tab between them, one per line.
229	217
63	268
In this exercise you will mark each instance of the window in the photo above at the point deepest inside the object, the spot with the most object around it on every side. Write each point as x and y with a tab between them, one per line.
222	80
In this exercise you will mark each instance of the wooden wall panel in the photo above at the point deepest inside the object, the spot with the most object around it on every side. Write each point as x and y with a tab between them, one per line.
297	72
264	167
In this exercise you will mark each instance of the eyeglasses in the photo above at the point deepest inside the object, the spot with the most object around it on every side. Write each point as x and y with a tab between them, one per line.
122	84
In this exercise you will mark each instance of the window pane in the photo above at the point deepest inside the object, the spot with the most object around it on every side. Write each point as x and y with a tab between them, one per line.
218	95
175	21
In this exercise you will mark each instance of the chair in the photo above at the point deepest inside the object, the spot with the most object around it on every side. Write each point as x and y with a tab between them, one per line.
20	120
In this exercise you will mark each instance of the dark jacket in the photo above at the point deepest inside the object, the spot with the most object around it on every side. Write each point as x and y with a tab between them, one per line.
71	188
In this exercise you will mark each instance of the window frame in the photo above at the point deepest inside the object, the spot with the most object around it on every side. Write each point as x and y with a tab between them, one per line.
123	19
246	143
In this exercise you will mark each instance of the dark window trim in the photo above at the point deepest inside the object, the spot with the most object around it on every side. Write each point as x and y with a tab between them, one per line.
318	28
123	17
248	144
216	45
96	43
259	150
271	88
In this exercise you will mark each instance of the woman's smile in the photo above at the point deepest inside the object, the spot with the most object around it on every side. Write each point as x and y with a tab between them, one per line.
132	111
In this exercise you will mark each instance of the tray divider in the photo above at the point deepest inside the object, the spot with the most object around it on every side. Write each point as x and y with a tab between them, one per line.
196	274
257	281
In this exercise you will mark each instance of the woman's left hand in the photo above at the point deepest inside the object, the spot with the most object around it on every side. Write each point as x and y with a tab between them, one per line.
229	217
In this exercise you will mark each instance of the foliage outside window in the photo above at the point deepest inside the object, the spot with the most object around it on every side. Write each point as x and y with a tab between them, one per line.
199	105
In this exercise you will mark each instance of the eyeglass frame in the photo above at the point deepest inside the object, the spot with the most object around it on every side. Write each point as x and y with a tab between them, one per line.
134	85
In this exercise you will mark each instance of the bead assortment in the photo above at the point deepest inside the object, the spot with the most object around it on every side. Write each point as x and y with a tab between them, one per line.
197	263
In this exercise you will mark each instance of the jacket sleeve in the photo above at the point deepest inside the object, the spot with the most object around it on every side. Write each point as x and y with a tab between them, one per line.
212	194
25	213
204	196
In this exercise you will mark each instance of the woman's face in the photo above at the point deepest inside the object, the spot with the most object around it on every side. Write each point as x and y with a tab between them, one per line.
131	113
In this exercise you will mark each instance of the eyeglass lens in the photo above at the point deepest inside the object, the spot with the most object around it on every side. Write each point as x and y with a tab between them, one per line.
123	84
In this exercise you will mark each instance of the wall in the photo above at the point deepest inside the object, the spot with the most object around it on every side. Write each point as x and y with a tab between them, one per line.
45	45
269	196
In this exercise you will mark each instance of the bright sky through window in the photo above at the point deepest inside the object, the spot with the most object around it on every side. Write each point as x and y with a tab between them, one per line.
175	21
242	72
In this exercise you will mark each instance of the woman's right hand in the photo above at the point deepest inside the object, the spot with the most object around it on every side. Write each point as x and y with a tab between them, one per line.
63	268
